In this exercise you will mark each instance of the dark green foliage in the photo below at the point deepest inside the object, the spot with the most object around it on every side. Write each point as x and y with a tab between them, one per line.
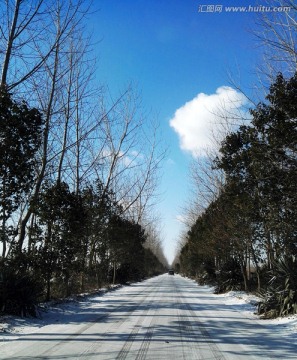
125	239
64	219
151	265
260	159
253	221
280	296
20	138
229	277
20	291
129	272
81	241
207	273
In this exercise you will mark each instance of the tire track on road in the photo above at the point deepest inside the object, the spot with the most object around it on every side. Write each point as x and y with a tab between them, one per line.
114	326
131	337
192	324
124	352
179	319
148	336
186	331
146	342
52	349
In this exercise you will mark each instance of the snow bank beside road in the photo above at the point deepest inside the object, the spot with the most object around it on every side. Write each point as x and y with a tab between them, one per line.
55	312
246	304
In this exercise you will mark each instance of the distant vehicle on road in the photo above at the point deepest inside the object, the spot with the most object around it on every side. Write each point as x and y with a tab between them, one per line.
171	272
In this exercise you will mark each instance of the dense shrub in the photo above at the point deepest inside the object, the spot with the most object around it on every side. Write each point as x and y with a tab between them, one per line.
206	273
229	277
280	297
19	292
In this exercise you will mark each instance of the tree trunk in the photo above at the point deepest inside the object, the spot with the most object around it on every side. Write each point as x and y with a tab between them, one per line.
10	43
114	273
244	275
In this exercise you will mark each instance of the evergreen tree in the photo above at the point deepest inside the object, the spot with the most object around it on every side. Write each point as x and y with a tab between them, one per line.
20	138
260	159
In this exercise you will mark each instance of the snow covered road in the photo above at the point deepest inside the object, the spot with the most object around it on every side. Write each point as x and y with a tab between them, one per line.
166	317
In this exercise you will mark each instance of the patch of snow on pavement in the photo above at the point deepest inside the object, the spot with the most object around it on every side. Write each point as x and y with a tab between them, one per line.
247	305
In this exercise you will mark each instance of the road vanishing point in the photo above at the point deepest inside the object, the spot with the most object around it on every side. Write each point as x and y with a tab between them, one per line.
165	317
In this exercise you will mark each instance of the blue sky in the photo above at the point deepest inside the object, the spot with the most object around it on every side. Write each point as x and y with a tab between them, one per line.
174	53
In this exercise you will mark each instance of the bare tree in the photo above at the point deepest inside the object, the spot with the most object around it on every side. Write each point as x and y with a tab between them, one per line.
37	62
130	154
126	157
16	24
27	43
277	35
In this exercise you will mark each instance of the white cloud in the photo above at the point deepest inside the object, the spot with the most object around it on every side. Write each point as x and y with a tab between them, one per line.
181	219
197	121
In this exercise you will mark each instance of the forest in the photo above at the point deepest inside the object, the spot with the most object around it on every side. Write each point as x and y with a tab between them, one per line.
241	228
79	167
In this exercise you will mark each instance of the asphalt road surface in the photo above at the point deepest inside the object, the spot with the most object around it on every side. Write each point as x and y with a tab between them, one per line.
166	317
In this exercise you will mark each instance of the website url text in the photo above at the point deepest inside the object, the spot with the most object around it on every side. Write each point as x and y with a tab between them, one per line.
242	9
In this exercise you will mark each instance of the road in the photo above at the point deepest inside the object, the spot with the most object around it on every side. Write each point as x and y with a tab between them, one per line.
166	317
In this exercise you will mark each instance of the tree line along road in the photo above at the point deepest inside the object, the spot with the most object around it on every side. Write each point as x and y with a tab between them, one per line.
166	317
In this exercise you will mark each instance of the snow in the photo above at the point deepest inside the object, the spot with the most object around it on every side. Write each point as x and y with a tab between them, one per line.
54	312
246	304
227	311
57	312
